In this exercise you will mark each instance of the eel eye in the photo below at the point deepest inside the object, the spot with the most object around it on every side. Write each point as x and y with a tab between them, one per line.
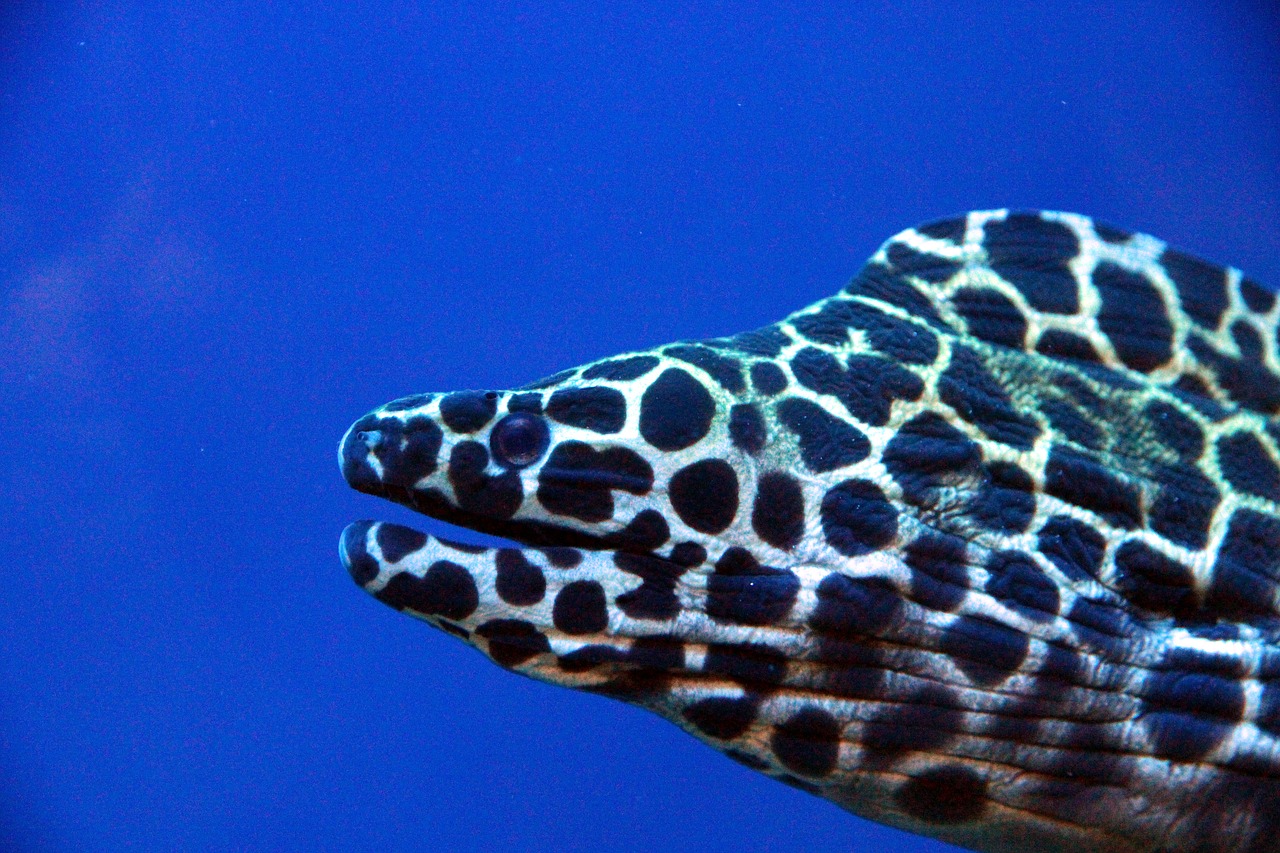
519	439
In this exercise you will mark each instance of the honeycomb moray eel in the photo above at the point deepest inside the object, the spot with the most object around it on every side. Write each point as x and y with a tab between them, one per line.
986	546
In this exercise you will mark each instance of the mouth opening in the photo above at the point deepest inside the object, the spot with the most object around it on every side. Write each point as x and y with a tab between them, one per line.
470	530
647	531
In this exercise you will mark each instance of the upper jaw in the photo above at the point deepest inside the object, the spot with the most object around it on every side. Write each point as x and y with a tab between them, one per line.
392	457
382	451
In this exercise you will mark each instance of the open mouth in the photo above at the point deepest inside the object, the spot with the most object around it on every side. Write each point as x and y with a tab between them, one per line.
613	608
528	580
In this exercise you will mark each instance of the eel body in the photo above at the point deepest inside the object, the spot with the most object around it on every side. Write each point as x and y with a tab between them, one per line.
986	546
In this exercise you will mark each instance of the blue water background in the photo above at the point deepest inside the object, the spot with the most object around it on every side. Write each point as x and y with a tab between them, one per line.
226	231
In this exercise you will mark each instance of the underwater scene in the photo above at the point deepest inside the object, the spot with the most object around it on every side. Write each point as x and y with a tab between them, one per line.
869	412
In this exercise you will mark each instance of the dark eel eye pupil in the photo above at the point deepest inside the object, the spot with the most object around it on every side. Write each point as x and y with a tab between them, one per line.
519	439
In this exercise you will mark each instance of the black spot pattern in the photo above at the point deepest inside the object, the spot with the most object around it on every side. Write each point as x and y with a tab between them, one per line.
464	547
530	404
577	480
1060	344
648	531
990	316
987	652
446	589
1091	484
563	558
1184	505
599	409
580	609
1193	391
721	717
650	662
1247	465
1153	581
855	607
945	229
1202	287
406	452
939	571
768	379
747	429
705	495
675	411
927	455
767	342
355	554
468	411
899	339
884	284
857	518
778	514
1185	737
1015	579
1175	430
1247	571
1103	620
1109	234
929	267
621	369
826	442
1247	340
688	554
641	671
923	723
590	656
756	666
1257	298
1032	254
396	542
742	592
866	388
493	496
1247	382
1269	708
723	369
1072	421
519	582
1133	317
976	396
655	598
1065	670
808	743
947	795
1005	502
830	325
513	641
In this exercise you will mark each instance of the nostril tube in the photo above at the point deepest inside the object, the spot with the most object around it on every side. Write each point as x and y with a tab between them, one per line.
358	447
381	451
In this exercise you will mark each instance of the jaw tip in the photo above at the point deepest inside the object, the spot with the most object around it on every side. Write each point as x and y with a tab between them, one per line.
357	445
354	552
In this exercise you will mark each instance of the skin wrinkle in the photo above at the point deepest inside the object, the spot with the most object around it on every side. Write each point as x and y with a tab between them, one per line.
878	642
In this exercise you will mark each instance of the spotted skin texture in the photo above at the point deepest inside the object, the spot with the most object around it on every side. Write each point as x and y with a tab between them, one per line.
985	547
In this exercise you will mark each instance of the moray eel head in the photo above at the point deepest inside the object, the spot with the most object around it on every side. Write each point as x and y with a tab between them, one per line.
985	546
624	579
